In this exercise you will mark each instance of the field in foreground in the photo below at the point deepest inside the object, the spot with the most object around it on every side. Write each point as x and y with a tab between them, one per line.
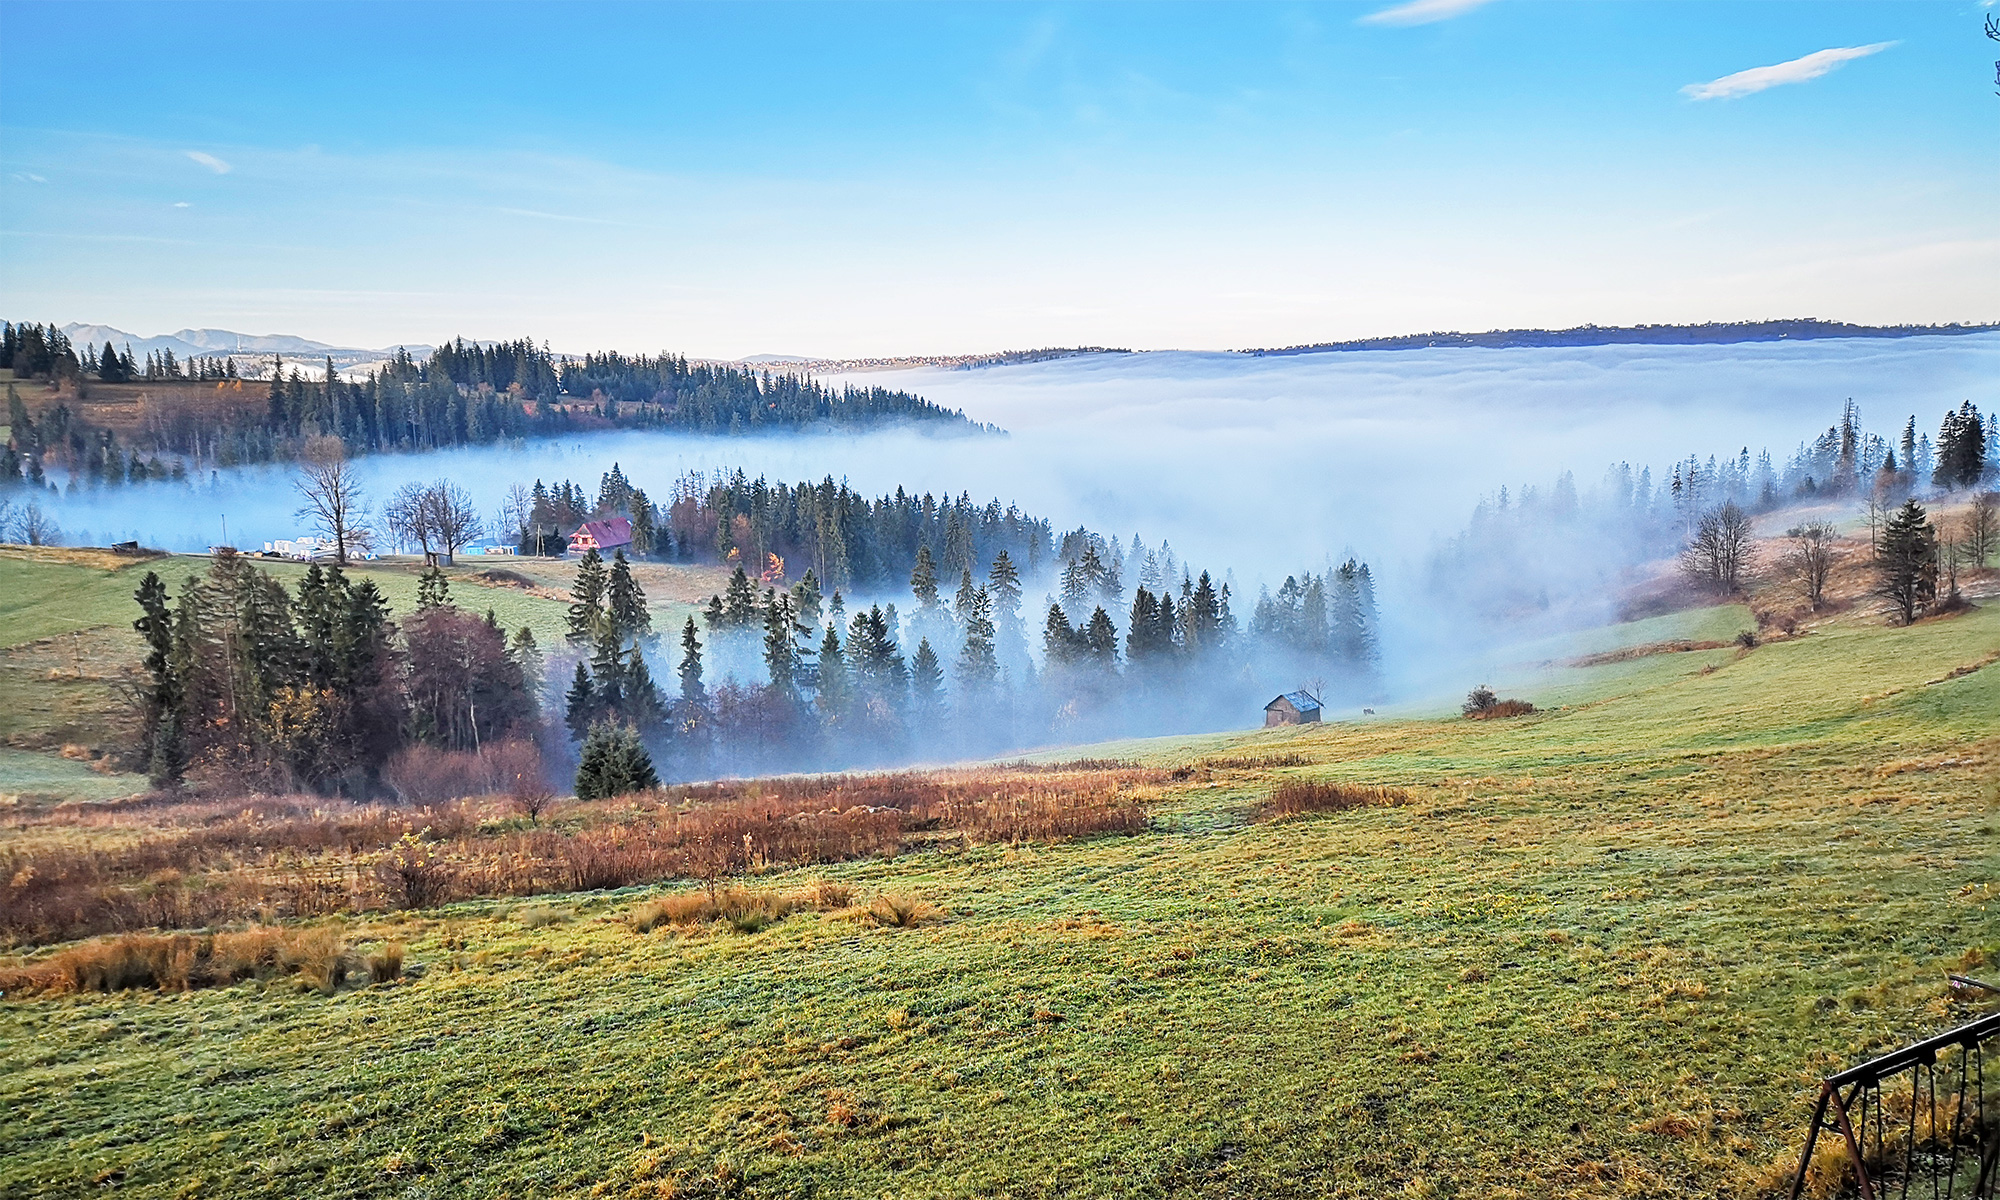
1605	951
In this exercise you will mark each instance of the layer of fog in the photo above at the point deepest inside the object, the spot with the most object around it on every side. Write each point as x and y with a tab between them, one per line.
1258	466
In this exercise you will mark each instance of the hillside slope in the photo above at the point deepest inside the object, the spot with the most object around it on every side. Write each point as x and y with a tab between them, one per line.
1605	950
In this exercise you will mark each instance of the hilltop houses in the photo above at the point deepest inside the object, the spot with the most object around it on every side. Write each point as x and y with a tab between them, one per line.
1292	708
612	533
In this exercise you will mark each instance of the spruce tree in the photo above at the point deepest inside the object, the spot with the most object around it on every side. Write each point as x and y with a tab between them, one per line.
614	763
926	686
586	610
626	611
924	580
1906	568
781	654
978	667
433	590
607	675
739	603
692	691
580	711
1141	632
1100	639
1059	643
162	693
834	690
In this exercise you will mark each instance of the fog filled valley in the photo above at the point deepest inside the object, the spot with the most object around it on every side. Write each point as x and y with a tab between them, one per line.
698	783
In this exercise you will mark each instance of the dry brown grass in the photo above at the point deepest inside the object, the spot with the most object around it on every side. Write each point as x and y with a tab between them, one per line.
747	911
183	961
168	862
1300	796
898	911
1501	709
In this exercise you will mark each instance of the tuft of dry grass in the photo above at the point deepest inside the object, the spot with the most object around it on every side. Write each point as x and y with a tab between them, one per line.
828	896
183	961
898	911
386	964
746	911
1297	797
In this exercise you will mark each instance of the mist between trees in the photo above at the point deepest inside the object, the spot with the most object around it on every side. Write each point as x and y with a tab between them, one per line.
857	631
1563	552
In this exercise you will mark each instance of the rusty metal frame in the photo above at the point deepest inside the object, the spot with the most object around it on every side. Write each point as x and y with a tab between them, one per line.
1841	1093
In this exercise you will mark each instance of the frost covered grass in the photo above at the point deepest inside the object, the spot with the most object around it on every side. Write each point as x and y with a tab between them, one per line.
1601	950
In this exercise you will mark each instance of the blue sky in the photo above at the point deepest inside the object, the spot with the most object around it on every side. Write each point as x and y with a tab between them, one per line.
887	179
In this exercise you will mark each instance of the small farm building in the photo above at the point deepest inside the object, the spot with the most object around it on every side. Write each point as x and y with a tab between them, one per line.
612	533
1292	708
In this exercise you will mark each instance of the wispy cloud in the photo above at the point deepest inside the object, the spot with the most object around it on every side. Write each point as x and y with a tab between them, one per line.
1798	70
1421	12
181	204
27	177
208	160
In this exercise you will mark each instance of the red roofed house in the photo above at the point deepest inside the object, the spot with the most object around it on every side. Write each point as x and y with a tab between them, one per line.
612	533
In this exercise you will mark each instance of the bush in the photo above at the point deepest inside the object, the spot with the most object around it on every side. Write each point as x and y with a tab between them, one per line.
1299	796
414	874
1482	705
615	763
422	774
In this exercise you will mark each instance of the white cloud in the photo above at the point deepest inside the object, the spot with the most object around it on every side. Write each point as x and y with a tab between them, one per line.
180	204
1421	12
27	177
1756	79
208	160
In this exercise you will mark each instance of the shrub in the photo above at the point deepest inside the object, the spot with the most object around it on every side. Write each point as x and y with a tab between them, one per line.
414	874
1298	796
1482	705
1747	639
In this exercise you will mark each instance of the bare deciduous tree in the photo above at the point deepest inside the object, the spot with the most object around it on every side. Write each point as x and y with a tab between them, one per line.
332	496
36	527
1719	552
438	516
1810	560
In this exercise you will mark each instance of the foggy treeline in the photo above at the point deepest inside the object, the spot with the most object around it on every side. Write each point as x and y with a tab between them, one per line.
1543	549
461	394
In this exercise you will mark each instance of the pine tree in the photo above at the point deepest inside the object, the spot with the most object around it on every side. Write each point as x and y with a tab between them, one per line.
433	590
626	614
1059	642
1141	631
692	691
1003	583
162	694
978	667
961	604
1906	568
739	603
586	610
926	686
924	580
527	656
614	763
1100	639
580	711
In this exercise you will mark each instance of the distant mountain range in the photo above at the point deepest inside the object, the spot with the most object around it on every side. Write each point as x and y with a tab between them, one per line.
1712	333
224	343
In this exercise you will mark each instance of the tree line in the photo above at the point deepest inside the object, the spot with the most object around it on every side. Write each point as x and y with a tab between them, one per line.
247	685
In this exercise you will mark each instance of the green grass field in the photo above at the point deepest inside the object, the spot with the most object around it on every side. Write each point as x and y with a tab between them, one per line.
1606	952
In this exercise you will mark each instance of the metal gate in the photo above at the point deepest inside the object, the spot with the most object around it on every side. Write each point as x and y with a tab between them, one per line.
1922	1121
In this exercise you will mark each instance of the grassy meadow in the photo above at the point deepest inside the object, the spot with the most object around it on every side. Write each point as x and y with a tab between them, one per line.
1603	950
66	643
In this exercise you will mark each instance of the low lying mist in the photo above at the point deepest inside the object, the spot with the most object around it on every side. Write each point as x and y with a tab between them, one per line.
1252	467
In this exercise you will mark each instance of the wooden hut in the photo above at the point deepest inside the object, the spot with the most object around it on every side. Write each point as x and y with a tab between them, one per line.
1292	708
612	533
